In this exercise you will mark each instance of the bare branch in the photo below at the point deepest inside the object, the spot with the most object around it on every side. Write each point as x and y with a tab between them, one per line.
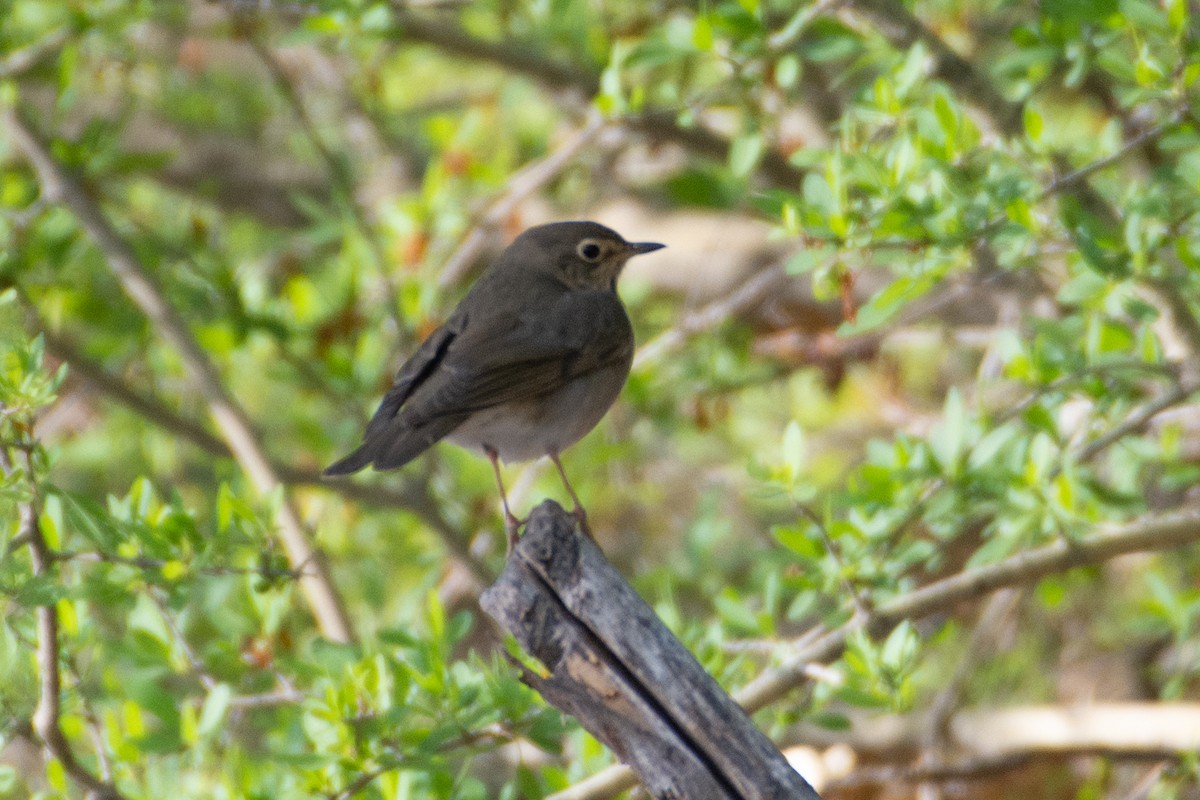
515	56
1181	315
157	564
738	301
1139	419
1159	532
144	405
1152	134
520	186
966	769
26	58
361	782
1152	729
61	186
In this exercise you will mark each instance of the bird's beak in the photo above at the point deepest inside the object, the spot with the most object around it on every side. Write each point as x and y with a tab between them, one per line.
638	248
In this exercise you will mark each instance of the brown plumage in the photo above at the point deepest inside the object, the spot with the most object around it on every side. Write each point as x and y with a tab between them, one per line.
528	362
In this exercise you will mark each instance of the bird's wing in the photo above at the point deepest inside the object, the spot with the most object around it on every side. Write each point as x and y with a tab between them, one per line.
471	364
414	372
383	431
506	358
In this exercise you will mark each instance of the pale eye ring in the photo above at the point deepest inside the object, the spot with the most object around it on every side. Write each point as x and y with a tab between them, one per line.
590	250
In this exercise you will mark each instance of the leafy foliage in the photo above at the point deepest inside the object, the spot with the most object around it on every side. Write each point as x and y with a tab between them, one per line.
986	224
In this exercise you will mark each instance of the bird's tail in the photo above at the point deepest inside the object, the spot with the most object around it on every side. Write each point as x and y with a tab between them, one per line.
352	463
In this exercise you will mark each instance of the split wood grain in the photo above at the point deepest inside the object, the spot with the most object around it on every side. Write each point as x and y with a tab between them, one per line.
614	666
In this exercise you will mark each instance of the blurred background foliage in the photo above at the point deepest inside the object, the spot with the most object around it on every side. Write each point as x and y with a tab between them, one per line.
930	308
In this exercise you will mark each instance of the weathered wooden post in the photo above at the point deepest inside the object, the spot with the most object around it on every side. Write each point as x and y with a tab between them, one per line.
616	668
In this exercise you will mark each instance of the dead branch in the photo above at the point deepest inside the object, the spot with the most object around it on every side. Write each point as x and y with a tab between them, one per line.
614	666
1128	730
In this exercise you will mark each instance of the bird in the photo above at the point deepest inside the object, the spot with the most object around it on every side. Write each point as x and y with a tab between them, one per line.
525	366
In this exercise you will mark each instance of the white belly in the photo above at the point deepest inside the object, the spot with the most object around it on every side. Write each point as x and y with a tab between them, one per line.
530	429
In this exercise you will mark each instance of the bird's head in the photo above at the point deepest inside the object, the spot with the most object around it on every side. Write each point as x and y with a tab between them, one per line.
584	255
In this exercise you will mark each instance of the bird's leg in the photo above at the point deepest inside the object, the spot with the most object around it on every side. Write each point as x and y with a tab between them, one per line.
511	523
579	512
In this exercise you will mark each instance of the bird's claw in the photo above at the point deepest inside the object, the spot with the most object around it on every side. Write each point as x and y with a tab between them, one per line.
582	520
512	526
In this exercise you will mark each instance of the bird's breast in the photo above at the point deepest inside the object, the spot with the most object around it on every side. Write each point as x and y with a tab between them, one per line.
527	429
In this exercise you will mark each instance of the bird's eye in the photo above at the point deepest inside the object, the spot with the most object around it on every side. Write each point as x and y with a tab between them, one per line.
589	250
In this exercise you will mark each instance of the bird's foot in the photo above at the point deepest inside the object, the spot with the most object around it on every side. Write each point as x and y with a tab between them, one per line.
511	527
582	520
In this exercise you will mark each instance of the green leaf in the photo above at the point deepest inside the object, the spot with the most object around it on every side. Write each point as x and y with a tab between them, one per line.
1034	124
40	590
949	438
216	706
884	304
736	615
799	540
8	780
809	258
900	648
90	519
744	154
702	33
793	449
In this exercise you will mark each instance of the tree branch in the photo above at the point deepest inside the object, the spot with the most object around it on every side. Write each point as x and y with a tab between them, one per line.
1131	729
754	290
61	186
26	58
519	186
1138	419
517	57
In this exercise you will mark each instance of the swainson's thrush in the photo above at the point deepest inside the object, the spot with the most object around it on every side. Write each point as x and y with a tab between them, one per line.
526	365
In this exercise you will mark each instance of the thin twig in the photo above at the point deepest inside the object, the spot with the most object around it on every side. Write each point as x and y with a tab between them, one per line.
791	33
1076	177
753	291
63	187
862	604
1138	419
520	186
26	58
361	782
157	565
1182	317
